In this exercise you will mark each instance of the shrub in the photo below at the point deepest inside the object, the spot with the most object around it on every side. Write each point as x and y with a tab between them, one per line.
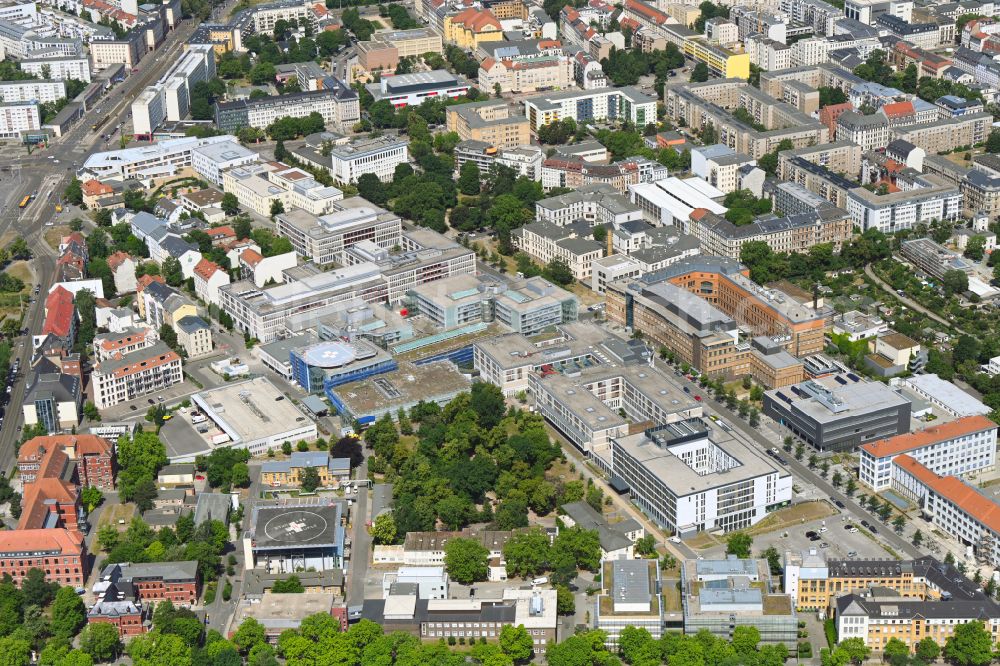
830	629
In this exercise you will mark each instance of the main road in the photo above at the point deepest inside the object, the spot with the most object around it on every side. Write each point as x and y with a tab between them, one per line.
39	176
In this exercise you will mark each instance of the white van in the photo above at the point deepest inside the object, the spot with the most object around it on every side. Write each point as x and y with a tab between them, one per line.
540	581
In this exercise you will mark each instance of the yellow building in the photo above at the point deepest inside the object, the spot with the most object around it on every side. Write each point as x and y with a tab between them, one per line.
284	473
721	62
471	27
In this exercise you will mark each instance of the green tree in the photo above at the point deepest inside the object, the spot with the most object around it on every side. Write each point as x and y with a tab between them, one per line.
466	560
290	585
927	649
383	529
898	523
526	553
468	179
975	249
918	538
277	208
68	613
230	204
565	600
516	643
969	645
739	544
855	648
158	649
91	497
955	282
373	189
250	634
558	271
487	402
310	479
74	192
895	651
14	651
700	73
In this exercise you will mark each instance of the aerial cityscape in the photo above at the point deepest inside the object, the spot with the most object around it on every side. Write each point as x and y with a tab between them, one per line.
495	332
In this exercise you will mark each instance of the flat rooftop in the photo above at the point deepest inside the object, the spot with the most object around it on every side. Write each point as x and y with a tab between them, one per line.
251	409
409	384
827	399
744	463
278	612
282	527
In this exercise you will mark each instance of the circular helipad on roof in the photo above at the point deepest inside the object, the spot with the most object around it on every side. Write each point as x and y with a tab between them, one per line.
295	527
332	354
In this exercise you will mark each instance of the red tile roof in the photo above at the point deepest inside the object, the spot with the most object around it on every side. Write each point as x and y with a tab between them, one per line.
651	13
206	268
938	433
65	542
42	498
145	281
59	313
123	340
965	497
898	109
93	188
251	257
117	259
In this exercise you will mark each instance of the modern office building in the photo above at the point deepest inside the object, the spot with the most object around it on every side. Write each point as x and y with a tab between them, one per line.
158	160
687	481
839	412
324	239
327	364
632	596
348	161
170	97
956	448
412	89
527	306
721	595
933	259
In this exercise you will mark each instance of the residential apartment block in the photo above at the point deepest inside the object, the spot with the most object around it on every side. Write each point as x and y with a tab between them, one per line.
526	75
493	122
591	105
258	186
336	103
794	233
134	375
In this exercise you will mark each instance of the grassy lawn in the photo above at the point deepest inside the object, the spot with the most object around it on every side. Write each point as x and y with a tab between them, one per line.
793	515
22	271
54	235
112	514
702	541
671	596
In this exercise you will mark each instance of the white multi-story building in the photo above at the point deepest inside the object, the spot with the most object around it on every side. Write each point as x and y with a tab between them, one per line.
768	54
687	482
148	110
955	448
810	52
955	507
160	159
140	373
258	186
17	118
211	160
323	239
379	156
934	199
591	105
59	69
869	132
336	103
598	204
32	91
170	97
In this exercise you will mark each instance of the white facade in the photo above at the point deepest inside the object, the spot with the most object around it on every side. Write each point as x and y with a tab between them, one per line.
32	91
903	210
148	110
584	105
59	69
210	161
431	582
956	448
164	158
170	97
379	156
140	373
687	483
18	117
